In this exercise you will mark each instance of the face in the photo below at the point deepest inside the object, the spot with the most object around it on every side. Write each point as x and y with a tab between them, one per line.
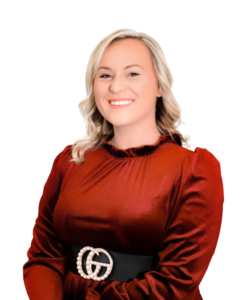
117	78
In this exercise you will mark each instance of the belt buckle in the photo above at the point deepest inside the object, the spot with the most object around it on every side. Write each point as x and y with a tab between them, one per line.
90	262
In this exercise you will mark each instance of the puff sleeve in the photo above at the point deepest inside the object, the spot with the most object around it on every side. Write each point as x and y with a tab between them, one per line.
43	272
189	240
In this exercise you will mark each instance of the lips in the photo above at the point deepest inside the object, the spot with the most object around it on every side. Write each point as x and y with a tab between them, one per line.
121	106
122	99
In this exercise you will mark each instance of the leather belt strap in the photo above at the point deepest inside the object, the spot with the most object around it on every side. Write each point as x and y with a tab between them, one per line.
113	265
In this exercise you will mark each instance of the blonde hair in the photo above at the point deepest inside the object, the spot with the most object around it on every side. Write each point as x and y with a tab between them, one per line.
167	109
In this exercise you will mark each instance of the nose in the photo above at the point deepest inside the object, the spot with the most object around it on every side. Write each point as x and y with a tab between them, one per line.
117	84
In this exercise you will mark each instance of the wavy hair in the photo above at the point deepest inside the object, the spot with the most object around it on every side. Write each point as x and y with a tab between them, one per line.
168	111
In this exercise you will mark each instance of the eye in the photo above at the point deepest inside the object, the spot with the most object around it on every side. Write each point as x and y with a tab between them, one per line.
134	73
104	75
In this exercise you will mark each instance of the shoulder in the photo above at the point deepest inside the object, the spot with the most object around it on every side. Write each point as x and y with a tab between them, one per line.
186	161
196	166
62	160
201	159
63	155
198	155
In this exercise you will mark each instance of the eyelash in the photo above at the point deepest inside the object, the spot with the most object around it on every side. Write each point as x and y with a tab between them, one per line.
108	75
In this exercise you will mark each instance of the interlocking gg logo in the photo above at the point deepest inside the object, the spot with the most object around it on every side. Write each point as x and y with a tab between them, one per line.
90	262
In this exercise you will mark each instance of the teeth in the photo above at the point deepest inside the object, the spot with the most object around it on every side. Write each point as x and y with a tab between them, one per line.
120	102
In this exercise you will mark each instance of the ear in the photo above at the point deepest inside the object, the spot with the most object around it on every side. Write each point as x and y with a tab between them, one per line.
159	93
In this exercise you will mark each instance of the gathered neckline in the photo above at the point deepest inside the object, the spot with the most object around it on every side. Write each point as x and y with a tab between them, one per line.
144	150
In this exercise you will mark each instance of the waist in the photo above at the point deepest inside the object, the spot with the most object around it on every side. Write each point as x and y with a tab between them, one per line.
100	264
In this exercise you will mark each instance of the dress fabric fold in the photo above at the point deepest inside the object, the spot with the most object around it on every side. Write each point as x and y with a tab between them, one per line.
159	199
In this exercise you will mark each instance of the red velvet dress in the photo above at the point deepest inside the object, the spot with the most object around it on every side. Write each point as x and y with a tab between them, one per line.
160	198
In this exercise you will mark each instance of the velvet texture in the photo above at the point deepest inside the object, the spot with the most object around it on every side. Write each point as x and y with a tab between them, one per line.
160	198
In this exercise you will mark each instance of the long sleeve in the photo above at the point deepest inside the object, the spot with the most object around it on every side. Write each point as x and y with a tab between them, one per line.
189	240
43	272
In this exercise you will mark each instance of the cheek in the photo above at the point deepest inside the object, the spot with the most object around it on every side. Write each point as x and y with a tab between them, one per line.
99	95
98	88
144	90
149	87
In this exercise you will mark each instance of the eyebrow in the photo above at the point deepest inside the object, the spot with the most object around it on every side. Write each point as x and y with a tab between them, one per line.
107	68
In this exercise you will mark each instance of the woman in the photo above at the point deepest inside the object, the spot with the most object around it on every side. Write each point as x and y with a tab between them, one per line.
145	211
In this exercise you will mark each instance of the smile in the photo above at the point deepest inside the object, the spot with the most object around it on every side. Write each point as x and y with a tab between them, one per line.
114	103
120	102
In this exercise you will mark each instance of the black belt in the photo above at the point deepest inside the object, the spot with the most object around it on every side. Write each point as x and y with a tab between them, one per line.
124	266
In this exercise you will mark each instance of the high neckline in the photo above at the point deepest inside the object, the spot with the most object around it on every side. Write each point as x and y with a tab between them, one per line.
172	137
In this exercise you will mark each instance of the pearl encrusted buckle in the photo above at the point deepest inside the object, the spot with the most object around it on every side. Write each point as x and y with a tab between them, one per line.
90	262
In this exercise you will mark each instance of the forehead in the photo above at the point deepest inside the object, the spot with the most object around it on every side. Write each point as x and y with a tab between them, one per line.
126	51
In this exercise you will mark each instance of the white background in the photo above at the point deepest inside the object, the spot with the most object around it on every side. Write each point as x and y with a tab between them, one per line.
44	51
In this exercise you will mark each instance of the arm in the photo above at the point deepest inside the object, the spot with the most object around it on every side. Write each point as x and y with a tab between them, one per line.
44	271
189	240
